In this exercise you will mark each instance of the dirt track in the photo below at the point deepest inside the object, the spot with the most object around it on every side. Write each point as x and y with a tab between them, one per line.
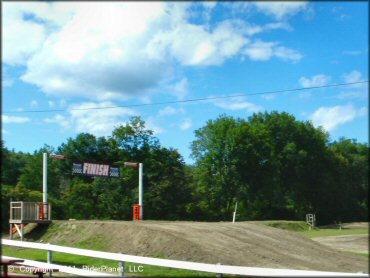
243	243
351	243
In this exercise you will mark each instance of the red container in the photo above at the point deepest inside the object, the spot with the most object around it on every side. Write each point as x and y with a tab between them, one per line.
136	212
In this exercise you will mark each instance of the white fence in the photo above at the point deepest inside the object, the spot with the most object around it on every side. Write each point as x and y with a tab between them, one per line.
213	268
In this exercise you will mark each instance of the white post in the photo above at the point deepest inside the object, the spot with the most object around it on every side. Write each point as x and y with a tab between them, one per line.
234	215
141	190
45	183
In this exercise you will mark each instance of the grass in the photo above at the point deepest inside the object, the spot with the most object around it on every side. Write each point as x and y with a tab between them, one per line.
361	254
303	229
334	232
97	243
80	261
296	226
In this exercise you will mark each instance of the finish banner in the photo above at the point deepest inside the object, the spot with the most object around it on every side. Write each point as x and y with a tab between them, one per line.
92	169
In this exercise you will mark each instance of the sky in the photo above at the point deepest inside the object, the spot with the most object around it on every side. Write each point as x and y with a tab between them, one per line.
67	56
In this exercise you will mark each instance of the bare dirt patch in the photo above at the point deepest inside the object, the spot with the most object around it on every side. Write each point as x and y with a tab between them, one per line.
352	243
356	225
243	243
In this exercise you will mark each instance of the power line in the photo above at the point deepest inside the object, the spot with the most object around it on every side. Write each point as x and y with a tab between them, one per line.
189	100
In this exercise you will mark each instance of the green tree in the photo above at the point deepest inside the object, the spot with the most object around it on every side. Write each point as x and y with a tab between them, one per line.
275	166
12	165
352	183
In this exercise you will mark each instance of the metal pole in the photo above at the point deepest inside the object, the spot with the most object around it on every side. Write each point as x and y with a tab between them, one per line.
234	215
141	189
50	260
45	183
22	231
121	268
45	178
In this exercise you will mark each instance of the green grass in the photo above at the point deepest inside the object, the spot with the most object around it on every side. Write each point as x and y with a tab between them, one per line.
295	226
361	254
334	232
80	261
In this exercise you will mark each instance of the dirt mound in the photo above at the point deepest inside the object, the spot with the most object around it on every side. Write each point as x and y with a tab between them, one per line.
243	243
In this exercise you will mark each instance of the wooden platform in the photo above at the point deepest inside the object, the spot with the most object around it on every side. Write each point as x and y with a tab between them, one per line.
22	213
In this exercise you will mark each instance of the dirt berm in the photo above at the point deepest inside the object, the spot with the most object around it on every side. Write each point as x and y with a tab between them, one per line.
243	243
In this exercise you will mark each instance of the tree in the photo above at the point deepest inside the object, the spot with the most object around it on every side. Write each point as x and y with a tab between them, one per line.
32	173
12	165
165	190
352	182
275	166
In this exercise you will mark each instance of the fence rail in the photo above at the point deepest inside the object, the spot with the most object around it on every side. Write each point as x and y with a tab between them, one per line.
213	268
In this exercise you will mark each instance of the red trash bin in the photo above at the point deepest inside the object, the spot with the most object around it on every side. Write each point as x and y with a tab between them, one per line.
136	212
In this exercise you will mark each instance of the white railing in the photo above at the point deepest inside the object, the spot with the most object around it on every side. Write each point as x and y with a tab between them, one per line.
213	268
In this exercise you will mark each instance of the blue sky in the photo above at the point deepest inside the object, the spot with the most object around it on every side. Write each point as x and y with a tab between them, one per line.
66	56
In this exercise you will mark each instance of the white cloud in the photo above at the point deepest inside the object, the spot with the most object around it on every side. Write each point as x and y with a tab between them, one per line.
260	51
352	52
194	45
113	50
34	103
280	10
209	5
180	89
278	25
186	124
332	117
99	122
339	14
287	54
268	96
363	111
151	125
62	103
51	104
4	131
61	120
120	50
352	77
362	94
7	82
14	119
314	81
169	110
264	51
238	103
304	95
16	49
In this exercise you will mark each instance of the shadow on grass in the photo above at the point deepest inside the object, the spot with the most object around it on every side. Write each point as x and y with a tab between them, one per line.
37	232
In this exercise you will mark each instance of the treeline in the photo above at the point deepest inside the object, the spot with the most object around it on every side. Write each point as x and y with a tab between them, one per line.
274	166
